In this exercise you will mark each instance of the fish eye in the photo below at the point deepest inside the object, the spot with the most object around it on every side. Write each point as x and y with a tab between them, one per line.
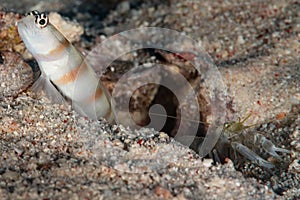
41	20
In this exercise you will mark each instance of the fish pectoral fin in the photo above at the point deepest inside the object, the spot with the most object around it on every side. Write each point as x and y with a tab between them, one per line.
44	85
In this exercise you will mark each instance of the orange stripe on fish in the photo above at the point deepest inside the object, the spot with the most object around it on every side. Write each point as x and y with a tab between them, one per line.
59	49
72	75
98	94
64	66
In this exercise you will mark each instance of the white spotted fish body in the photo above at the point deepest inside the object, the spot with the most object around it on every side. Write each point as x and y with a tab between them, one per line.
64	66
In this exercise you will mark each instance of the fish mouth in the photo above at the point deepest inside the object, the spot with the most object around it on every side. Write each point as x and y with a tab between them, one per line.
20	26
21	23
24	22
23	27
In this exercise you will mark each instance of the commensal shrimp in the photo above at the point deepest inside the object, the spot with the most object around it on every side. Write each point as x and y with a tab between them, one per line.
249	146
63	67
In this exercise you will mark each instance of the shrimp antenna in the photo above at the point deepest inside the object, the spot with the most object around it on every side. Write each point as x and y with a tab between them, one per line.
174	117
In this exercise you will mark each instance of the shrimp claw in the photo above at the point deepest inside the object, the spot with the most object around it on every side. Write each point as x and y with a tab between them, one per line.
249	154
268	146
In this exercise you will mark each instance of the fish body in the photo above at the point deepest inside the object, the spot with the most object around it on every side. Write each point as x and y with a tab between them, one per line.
63	67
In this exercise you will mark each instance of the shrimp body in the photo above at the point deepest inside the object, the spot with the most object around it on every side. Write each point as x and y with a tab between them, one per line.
233	134
234	142
64	66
